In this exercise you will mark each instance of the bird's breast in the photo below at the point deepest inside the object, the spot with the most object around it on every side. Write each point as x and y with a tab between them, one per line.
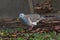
24	20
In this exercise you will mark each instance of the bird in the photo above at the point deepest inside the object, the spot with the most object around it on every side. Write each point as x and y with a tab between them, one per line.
30	19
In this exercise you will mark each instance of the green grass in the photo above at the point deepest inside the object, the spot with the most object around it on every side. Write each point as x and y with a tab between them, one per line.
42	36
31	36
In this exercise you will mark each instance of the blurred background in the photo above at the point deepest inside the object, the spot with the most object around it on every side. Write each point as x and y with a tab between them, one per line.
11	8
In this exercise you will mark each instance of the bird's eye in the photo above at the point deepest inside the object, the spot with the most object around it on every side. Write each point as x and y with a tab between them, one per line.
20	15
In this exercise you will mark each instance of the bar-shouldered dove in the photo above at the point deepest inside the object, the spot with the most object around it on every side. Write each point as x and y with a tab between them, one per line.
30	19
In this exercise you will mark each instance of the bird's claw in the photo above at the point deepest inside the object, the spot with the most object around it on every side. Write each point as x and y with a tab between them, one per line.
30	28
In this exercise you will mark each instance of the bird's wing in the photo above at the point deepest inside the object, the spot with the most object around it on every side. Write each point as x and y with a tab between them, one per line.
32	23
34	19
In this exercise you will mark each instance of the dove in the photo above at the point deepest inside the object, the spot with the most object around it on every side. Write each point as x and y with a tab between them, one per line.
30	19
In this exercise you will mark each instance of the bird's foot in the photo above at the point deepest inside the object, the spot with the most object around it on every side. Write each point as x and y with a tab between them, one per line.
30	28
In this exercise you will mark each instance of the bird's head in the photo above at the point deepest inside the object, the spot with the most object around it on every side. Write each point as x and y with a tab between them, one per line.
21	15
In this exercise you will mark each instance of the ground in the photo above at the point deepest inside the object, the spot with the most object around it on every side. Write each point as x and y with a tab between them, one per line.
14	30
19	34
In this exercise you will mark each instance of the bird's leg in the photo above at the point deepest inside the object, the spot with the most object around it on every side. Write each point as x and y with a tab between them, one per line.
30	28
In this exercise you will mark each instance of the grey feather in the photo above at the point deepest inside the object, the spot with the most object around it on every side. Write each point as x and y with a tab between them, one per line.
34	17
